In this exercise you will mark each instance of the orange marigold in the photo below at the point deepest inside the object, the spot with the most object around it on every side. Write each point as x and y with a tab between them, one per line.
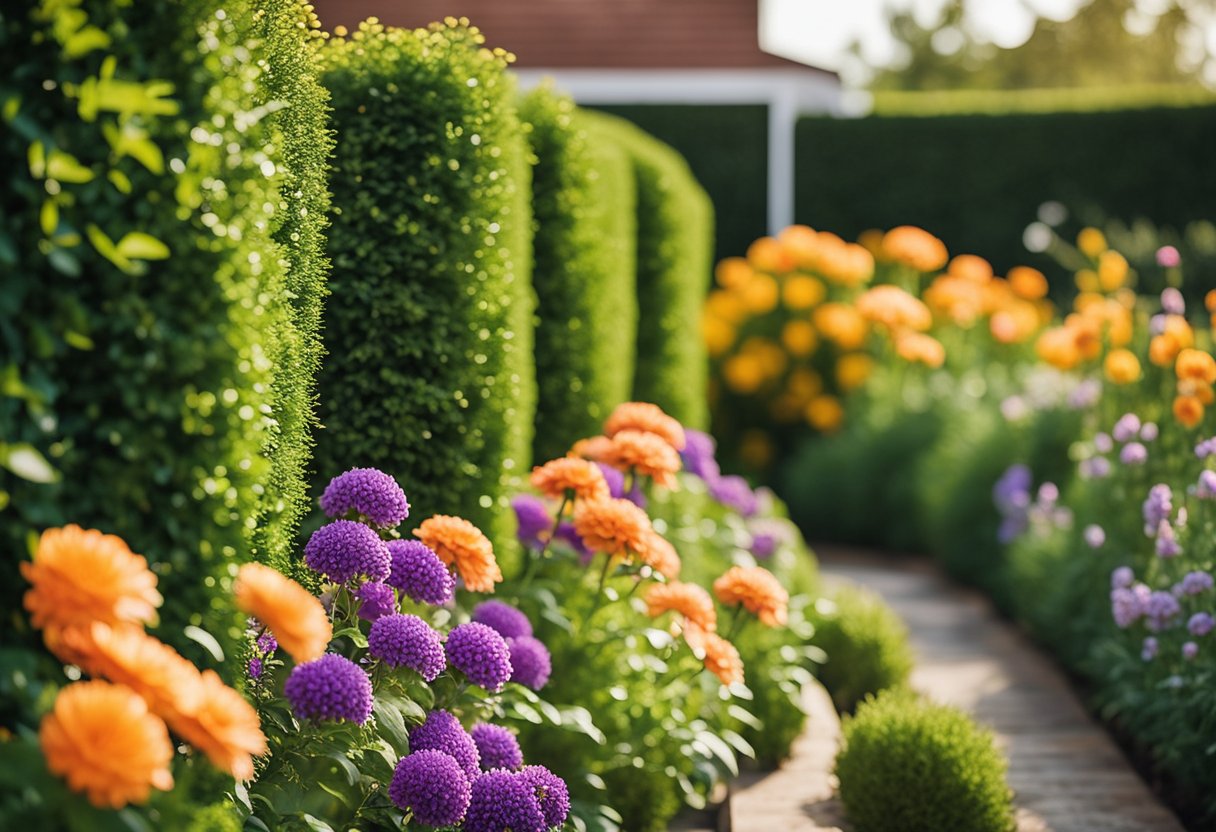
611	526
290	611
720	656
1122	366
894	308
646	453
224	726
1027	283
914	247
1188	410
689	600
103	740
128	656
593	448
81	576
459	542
1196	365
648	418
916	347
657	552
570	477
757	590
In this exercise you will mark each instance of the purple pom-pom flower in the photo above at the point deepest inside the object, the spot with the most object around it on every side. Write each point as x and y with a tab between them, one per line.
431	785
330	688
551	794
733	492
531	664
1133	453
375	600
419	573
1126	428
1122	577
497	746
1095	536
481	654
344	550
533	519
1200	624
504	800
508	621
443	732
1148	651
698	455
1190	650
367	492
407	641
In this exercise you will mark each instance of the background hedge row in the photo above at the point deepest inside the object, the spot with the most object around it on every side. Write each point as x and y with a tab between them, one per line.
585	271
144	321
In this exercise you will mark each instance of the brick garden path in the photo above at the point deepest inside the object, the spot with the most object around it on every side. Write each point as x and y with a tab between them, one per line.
1067	774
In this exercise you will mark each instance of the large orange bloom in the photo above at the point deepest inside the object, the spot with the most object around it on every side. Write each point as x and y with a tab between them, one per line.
648	418
83	576
914	247
657	552
720	656
459	542
645	453
689	600
570	476
103	740
128	656
757	590
612	526
224	726
1196	365
894	308
290	611
593	448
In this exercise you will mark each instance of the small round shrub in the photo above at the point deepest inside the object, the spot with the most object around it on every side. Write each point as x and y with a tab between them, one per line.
866	645
908	764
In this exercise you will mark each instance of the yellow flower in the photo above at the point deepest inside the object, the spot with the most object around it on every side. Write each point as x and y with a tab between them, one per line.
760	294
1122	366
799	338
1112	270
733	272
1092	242
1087	280
1027	283
841	324
744	373
803	384
801	292
825	413
769	255
718	335
853	369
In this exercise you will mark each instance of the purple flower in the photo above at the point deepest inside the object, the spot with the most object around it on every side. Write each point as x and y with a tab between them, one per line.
331	687
1012	490
431	784
267	643
443	732
1049	494
1149	432
1172	301
375	600
734	493
1168	258
255	668
344	550
1126	428
1194	583
1133	453
1127	604
1148	651
497	746
1156	324
407	641
698	455
367	492
533	519
531	664
551	794
481	654
1094	468
1085	395
1158	506
1205	448
1167	542
1011	529
1095	536
1190	650
1206	488
1160	610
615	480
636	495
1122	577
419	573
504	800
508	621
1103	444
566	534
1200	624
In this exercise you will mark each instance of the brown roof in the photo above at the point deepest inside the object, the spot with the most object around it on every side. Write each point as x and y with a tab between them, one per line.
590	34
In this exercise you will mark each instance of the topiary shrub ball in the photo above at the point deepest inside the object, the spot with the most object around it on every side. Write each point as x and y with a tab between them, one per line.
908	765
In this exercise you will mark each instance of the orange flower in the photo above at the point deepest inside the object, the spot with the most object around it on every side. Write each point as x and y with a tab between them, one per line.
1162	350
1091	241
799	338
689	600
646	453
840	323
732	272
1112	270
1196	365
853	369
914	247
769	255
290	611
128	656
83	576
570	477
657	552
1058	347
918	347
801	292
1188	410
894	308
757	590
1209	300
1122	367
611	526
1027	283
971	267
593	448
720	656
801	243
458	541
824	413
102	739
647	418
224	726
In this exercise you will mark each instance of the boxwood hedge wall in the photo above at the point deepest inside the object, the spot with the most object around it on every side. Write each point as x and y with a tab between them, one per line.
585	203
428	328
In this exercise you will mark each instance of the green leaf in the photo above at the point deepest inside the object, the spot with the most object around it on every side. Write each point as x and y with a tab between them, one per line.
64	263
139	246
106	248
27	462
389	720
348	768
64	167
120	181
354	634
85	41
716	747
198	634
48	217
78	340
316	824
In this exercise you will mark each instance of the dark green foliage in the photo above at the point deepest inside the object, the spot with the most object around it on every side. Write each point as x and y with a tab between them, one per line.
909	764
428	329
866	645
143	300
732	167
973	178
675	227
584	272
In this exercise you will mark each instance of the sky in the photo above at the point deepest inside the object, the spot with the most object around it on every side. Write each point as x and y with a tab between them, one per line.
819	31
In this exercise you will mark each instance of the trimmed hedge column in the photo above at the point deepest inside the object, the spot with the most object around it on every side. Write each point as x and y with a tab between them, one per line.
585	203
428	329
675	252
143	309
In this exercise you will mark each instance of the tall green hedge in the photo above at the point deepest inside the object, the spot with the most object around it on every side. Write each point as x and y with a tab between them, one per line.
978	180
143	307
428	328
585	203
675	248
